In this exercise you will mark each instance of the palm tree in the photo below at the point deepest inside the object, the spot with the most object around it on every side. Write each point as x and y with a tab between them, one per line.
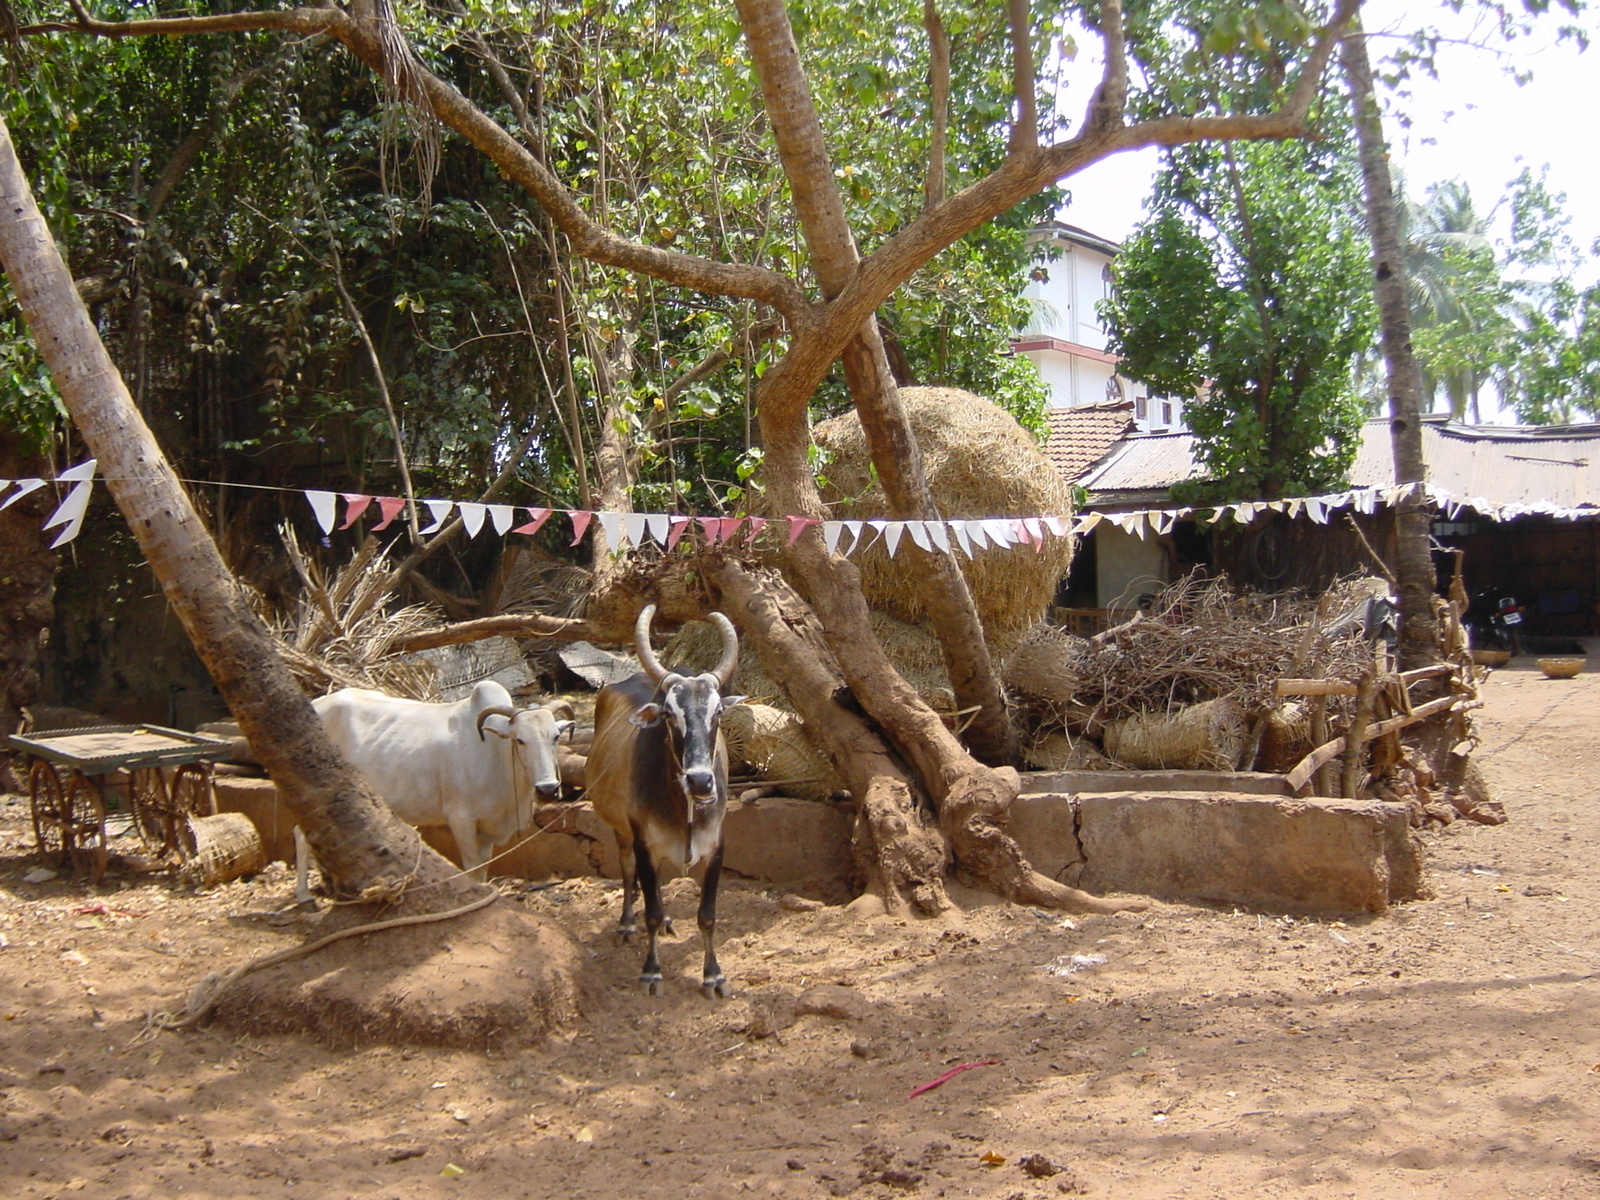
1449	263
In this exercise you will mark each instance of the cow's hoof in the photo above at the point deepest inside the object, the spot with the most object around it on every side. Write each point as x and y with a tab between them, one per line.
715	989
626	932
651	984
666	927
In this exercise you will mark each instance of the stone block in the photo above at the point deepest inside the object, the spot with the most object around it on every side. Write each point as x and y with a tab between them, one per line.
1313	856
1045	826
801	844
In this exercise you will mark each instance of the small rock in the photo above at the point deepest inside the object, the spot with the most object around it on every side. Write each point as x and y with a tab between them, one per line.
831	1000
863	1047
790	902
1038	1166
401	1153
1539	889
39	875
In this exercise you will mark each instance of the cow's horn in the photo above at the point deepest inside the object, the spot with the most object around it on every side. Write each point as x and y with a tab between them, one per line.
730	649
500	710
641	644
560	706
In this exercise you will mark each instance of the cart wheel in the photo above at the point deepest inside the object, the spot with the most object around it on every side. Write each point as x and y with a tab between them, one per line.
154	813
85	826
49	815
191	797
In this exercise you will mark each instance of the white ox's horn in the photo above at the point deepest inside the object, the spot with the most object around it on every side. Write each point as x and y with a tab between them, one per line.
498	710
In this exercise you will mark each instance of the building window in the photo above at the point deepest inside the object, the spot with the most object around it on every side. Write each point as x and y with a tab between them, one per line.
1166	410
1113	390
1141	408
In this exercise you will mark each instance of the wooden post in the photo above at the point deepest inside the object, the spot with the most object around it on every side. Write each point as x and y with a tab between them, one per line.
1355	739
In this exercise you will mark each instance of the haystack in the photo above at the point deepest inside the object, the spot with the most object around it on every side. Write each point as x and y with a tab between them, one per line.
913	650
979	463
772	744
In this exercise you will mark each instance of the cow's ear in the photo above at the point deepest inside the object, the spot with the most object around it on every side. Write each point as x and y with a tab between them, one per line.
730	701
648	715
486	727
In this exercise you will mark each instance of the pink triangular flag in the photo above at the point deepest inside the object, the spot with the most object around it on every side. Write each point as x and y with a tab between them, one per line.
798	525
356	504
679	524
730	528
388	508
757	524
580	524
710	528
538	516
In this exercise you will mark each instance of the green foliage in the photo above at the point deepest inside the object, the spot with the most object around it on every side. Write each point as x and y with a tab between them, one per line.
1248	289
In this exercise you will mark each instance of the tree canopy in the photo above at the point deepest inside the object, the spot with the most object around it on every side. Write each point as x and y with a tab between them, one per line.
1247	288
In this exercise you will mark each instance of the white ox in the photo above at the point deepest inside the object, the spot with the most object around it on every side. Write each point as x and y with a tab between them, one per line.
434	765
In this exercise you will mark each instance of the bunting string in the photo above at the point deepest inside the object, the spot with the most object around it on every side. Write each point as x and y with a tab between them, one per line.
343	510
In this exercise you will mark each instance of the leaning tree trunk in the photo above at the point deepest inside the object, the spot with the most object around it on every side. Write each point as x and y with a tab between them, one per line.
1419	630
358	840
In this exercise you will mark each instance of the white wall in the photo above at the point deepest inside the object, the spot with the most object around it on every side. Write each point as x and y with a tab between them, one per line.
1126	566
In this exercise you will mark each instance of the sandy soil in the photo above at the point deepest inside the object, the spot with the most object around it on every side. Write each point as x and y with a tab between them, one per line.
1449	1048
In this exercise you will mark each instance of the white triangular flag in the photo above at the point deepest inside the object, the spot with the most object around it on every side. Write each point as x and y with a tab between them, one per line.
472	515
919	534
977	531
830	535
71	513
940	533
1315	510
959	528
634	525
855	537
611	522
659	526
892	532
323	504
502	515
440	510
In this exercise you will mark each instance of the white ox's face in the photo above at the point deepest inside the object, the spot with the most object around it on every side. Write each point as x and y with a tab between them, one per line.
534	733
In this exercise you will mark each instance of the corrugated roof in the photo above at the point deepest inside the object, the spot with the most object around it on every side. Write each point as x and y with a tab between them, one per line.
1080	437
1496	464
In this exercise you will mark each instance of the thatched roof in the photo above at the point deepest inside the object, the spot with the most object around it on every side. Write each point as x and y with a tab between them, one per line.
979	463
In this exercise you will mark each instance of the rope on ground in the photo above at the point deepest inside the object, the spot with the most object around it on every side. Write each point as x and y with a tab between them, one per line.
203	998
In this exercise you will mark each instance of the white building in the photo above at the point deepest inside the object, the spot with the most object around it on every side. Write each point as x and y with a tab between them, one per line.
1066	340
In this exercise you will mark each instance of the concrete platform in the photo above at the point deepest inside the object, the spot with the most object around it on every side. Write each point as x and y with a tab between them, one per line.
1263	852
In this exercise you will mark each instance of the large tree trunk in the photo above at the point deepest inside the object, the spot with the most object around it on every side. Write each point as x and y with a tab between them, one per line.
1419	630
894	449
359	841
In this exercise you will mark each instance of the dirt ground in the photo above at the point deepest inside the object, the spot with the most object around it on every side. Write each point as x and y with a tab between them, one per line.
1449	1048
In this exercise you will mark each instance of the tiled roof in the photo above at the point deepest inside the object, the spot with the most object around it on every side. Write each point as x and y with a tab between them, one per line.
1081	437
1498	464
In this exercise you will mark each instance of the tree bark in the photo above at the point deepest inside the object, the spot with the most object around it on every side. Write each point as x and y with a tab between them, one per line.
1419	628
359	841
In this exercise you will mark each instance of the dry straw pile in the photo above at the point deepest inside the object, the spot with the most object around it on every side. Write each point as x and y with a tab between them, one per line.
979	463
1184	682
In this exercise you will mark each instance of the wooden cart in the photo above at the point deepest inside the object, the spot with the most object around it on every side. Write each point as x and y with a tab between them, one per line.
159	777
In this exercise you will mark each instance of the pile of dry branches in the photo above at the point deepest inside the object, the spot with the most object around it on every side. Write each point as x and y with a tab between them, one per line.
1197	640
337	631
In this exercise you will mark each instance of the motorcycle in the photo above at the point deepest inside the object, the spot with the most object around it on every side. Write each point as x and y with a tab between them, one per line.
1497	622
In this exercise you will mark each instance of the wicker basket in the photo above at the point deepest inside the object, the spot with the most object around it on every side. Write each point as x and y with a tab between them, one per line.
221	848
1561	668
1491	658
